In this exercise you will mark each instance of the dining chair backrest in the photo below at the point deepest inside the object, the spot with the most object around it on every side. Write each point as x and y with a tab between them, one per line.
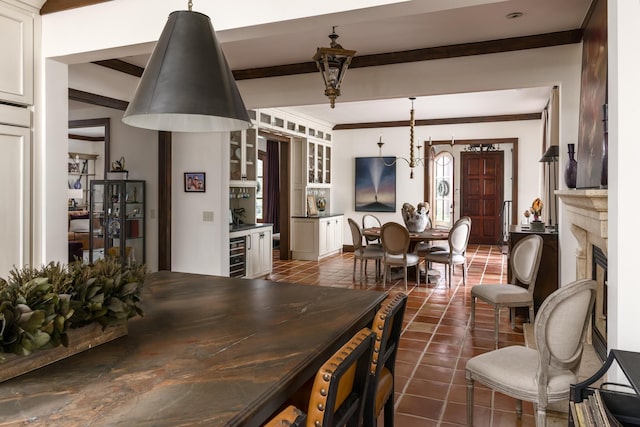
459	236
561	325
387	325
371	221
356	234
525	260
395	238
340	386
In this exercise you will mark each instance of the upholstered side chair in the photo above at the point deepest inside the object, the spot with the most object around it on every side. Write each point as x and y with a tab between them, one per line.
541	375
363	253
457	252
525	260
395	242
387	326
339	390
371	221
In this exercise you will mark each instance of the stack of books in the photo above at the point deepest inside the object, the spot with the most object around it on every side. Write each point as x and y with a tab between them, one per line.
592	411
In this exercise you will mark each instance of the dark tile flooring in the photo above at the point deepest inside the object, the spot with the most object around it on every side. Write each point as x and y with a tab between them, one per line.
436	341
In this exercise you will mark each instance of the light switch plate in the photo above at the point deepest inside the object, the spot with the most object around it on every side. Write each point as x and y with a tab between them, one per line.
207	216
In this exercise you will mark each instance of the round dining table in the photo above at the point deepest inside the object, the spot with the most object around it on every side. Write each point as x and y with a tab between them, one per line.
426	236
429	235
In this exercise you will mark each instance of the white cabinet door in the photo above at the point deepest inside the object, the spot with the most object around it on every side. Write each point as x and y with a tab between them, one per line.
338	233
259	253
15	217
16	51
266	251
243	156
325	241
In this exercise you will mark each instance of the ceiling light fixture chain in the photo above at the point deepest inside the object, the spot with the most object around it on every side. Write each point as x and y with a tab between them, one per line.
332	62
413	161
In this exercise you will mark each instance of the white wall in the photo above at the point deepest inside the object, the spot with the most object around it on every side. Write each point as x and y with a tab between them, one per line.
349	144
624	174
200	246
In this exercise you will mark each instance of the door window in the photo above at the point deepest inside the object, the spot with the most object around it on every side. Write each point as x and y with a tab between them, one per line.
443	190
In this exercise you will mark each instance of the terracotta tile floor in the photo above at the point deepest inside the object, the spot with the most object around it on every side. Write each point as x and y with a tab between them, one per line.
436	343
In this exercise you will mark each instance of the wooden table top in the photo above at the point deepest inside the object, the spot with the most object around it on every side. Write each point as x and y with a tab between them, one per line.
428	234
208	351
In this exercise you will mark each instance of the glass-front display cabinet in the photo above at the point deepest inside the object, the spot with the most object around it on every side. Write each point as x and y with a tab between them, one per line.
117	225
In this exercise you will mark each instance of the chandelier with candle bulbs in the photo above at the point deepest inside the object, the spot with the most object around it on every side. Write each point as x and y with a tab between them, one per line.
413	160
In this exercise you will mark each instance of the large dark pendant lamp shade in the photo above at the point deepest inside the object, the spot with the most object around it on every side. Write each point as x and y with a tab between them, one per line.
187	85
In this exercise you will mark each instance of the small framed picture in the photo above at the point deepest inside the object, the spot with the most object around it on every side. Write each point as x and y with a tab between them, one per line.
312	209
194	182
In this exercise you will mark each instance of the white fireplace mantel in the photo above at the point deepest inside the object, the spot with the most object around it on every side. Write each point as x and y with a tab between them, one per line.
587	212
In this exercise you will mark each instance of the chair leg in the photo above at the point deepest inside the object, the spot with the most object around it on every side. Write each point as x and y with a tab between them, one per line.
464	273
472	322
469	402
384	274
355	260
450	274
405	278
541	417
531	315
362	268
496	322
389	410
519	409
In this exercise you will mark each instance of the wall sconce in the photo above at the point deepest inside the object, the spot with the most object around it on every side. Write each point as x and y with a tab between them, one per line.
187	85
332	63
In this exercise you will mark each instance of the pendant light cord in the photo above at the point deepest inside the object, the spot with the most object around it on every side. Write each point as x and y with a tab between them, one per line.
190	5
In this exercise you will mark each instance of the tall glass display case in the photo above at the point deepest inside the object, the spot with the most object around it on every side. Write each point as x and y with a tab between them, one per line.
117	225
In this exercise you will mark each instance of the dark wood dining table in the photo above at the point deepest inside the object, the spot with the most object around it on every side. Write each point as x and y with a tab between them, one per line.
211	351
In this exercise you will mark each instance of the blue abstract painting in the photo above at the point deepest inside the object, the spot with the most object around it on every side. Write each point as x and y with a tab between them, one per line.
375	184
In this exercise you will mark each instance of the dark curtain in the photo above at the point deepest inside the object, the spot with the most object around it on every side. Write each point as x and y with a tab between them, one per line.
272	184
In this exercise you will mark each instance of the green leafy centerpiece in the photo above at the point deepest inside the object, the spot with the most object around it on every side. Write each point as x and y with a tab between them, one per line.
41	308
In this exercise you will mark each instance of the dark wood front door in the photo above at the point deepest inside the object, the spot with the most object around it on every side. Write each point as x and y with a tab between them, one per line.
482	175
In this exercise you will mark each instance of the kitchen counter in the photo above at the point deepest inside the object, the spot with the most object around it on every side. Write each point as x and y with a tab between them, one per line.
244	227
323	215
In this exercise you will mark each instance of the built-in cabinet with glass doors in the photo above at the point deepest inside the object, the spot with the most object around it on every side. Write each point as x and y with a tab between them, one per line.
117	225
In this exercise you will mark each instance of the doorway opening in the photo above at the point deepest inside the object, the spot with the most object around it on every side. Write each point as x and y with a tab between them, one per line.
272	194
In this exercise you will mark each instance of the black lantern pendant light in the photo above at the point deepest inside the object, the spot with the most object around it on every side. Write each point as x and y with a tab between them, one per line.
187	85
333	62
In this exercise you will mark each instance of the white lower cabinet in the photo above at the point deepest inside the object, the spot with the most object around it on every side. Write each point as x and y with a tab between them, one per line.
259	253
317	237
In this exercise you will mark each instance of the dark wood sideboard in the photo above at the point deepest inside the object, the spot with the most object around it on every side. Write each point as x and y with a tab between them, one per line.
547	280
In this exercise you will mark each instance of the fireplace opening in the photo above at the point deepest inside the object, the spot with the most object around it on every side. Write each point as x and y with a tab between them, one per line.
599	318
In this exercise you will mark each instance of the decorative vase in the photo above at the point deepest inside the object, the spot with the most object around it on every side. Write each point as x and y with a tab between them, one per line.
571	170
604	176
416	220
321	203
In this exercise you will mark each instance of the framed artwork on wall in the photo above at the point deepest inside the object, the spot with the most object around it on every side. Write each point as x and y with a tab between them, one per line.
592	148
375	184
194	182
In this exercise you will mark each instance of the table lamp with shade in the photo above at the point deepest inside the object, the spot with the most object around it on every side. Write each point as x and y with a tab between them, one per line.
549	157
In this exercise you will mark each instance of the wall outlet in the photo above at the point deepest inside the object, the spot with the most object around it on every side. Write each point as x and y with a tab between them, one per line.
207	216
